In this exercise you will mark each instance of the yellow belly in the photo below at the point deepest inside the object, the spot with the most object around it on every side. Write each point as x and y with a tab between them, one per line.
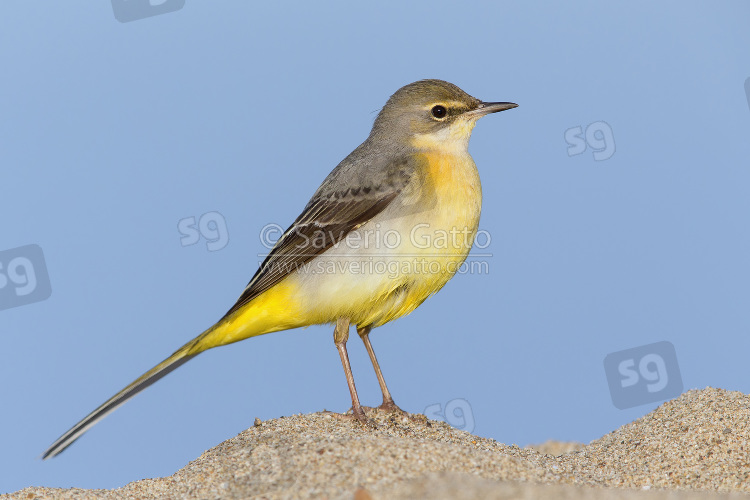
373	286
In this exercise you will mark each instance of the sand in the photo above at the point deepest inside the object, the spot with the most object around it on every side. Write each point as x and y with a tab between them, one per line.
695	446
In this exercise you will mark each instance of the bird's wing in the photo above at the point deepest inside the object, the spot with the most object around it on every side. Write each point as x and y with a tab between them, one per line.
337	208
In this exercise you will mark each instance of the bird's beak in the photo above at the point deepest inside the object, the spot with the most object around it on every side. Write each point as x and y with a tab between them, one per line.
485	108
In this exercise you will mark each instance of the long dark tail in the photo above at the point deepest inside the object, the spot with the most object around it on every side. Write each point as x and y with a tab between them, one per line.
182	355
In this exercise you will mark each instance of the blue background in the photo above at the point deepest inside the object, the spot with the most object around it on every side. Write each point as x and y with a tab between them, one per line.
111	133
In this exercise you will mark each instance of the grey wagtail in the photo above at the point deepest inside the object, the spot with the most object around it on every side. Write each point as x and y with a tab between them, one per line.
388	227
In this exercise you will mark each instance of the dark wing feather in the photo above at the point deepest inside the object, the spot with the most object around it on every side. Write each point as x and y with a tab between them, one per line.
325	221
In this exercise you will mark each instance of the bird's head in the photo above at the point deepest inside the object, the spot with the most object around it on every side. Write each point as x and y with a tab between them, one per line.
432	114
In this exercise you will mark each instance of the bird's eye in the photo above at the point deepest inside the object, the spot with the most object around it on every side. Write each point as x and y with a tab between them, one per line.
439	111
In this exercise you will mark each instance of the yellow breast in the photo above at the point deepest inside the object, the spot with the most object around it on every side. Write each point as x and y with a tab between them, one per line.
453	182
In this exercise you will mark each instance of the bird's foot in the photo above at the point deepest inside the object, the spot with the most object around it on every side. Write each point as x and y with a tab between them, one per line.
392	407
353	414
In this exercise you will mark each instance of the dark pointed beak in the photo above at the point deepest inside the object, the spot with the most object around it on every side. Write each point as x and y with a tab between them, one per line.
485	108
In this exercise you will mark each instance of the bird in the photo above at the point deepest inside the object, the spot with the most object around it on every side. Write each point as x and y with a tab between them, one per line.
388	227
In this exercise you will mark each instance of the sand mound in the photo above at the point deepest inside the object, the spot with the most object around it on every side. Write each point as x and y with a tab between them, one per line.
698	441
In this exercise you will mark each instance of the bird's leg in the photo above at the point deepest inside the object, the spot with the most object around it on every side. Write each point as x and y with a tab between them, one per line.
388	404
340	336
